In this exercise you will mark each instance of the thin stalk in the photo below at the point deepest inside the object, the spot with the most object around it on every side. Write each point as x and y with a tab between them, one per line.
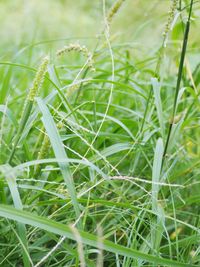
158	64
180	71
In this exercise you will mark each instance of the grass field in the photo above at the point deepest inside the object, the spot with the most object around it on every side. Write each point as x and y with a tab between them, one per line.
99	133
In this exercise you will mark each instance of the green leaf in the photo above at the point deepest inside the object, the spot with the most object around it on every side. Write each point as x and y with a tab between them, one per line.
157	226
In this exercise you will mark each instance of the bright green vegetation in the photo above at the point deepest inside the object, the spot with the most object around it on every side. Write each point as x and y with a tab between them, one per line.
99	137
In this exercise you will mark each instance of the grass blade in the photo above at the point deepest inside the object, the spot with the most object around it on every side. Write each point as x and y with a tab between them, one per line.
157	226
157	163
59	151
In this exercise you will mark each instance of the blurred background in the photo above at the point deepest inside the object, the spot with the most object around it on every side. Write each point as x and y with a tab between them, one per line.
26	22
32	28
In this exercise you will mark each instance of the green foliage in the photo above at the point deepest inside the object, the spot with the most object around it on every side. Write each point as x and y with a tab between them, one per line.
101	166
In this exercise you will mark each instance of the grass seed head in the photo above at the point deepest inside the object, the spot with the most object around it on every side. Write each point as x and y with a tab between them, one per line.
114	9
39	78
73	88
44	150
45	147
80	49
42	153
171	16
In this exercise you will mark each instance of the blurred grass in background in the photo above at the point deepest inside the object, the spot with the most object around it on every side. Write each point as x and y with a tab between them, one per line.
54	23
26	22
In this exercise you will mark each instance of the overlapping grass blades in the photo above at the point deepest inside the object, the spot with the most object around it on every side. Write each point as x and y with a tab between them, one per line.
89	239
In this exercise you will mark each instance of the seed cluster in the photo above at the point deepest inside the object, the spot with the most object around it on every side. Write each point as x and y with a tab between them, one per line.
172	13
80	49
72	89
39	78
43	152
26	111
114	9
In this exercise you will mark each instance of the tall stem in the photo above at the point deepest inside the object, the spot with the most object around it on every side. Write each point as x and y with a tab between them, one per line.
180	71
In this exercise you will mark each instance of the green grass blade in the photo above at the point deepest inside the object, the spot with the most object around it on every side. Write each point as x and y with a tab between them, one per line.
59	151
157	226
157	164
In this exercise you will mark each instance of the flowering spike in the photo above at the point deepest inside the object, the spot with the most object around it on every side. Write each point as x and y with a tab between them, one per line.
114	9
39	78
172	13
80	49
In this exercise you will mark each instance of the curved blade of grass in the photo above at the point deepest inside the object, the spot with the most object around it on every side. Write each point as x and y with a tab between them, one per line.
111	118
121	85
10	176
59	151
62	161
87	238
113	149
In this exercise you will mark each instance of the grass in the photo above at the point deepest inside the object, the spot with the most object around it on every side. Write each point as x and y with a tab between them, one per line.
101	166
